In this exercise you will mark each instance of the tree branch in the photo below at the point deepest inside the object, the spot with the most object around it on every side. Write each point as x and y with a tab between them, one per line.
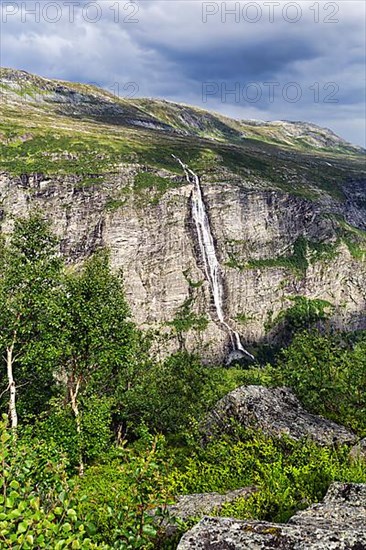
6	390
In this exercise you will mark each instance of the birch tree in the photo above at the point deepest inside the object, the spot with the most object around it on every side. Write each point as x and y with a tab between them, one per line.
30	269
98	337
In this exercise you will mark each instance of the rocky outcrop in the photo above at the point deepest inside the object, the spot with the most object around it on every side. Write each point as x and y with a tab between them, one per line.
200	504
193	507
337	523
276	411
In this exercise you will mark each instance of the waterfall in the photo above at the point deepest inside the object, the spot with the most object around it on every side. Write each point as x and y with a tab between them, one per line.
209	256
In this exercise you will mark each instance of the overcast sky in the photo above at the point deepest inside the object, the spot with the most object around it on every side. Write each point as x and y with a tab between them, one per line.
266	60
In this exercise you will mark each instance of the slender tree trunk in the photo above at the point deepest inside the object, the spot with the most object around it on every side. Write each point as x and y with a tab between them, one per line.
75	409
12	388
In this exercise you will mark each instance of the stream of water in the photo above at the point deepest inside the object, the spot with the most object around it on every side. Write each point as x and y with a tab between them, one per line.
209	256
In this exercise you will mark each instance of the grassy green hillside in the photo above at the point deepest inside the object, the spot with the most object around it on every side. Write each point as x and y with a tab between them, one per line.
56	127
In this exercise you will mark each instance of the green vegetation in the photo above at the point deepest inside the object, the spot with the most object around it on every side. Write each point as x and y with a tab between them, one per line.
114	204
186	319
30	280
59	153
91	138
244	318
288	475
192	284
37	500
97	432
119	495
168	397
328	373
99	428
354	239
150	187
297	261
304	252
303	314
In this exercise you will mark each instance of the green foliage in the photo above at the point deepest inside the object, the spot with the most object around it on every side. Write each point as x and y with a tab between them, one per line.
60	153
288	475
321	251
222	380
297	261
30	281
98	349
304	252
150	187
86	376
192	284
98	335
58	425
37	502
244	318
292	476
354	239
113	203
303	314
122	494
168	395
328	373
186	319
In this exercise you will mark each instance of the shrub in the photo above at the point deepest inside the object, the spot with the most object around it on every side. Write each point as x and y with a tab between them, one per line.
37	502
328	373
122	494
168	395
289	475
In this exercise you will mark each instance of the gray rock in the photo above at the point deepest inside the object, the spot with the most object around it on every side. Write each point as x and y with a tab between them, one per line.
276	411
195	506
200	504
343	507
338	523
358	452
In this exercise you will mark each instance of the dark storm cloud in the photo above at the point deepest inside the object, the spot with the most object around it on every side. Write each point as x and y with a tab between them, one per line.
252	62
170	52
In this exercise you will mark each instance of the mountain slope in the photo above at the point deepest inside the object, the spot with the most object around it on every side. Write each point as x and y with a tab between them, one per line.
286	205
104	130
87	101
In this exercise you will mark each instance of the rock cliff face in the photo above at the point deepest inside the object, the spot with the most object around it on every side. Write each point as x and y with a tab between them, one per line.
337	523
287	220
156	246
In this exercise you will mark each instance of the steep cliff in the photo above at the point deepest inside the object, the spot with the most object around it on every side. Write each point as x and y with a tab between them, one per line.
287	220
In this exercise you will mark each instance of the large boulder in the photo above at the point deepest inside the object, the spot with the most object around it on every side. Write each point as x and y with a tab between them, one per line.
276	411
337	523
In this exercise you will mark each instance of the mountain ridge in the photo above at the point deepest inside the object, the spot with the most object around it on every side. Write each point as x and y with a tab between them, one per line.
183	117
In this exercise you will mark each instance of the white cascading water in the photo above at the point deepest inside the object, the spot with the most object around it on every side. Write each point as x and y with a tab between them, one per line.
208	252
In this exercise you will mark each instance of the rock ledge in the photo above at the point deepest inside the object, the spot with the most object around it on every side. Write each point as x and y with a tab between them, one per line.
337	523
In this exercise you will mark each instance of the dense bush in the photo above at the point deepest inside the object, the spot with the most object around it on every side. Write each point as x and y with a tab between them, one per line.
168	395
121	493
328	373
289	475
37	501
96	438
